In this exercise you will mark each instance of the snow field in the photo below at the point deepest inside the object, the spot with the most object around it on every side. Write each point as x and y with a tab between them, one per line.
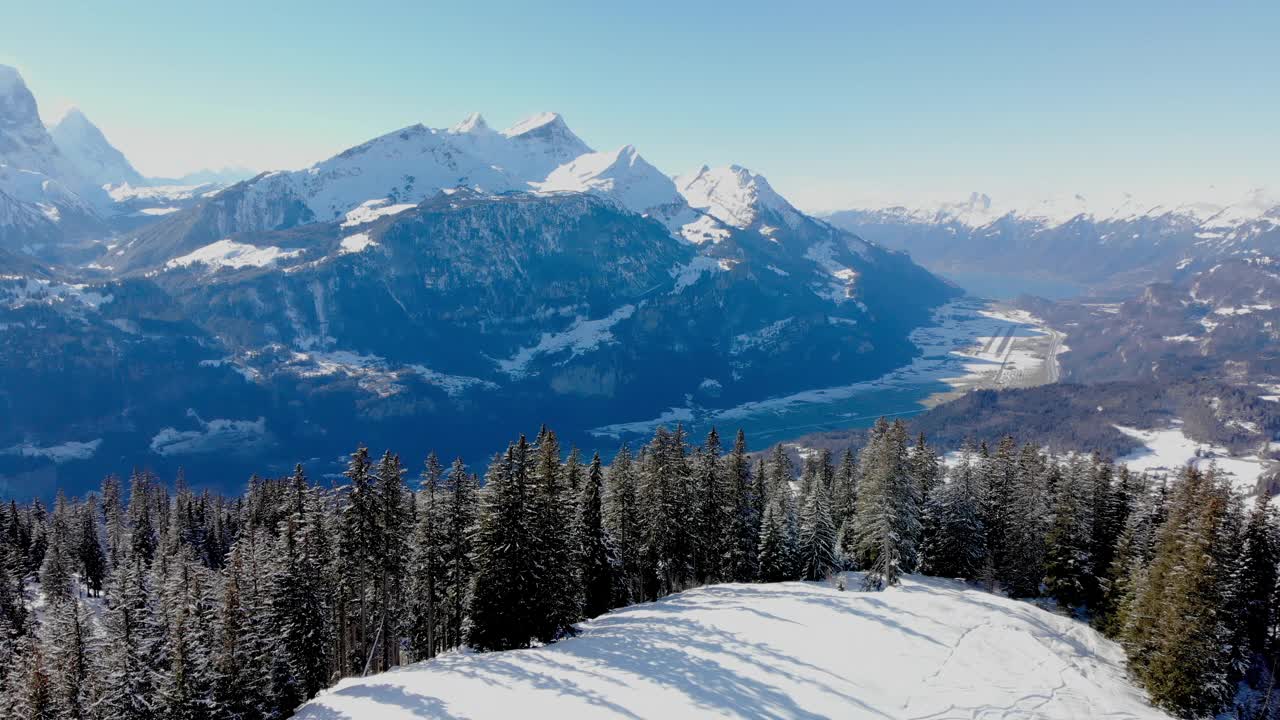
929	649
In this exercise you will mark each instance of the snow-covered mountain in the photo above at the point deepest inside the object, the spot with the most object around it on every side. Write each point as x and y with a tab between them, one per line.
622	175
929	649
93	156
1101	245
736	196
33	170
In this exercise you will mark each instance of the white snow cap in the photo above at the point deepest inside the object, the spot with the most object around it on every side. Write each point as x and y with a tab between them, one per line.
622	175
534	122
734	195
473	124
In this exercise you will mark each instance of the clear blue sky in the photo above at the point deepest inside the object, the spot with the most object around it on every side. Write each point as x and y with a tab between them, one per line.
832	101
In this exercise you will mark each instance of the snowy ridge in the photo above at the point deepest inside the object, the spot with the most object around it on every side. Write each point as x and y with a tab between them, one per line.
735	196
979	210
928	649
622	175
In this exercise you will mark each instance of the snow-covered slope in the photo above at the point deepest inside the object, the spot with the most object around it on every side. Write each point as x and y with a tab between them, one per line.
735	195
622	175
928	649
89	151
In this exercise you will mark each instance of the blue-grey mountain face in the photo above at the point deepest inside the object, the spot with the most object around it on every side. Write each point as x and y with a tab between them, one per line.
429	289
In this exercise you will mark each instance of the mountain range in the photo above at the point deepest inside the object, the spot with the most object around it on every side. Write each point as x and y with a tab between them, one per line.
1101	247
428	286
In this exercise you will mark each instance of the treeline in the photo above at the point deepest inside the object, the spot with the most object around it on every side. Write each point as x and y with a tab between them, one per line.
160	604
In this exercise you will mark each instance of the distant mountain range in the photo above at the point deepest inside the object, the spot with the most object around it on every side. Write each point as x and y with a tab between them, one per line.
1103	248
427	288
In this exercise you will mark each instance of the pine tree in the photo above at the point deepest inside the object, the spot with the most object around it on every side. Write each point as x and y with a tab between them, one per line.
711	513
777	544
665	500
888	514
1069	560
1028	527
392	525
68	649
817	535
623	520
597	556
427	566
460	507
504	586
557	599
58	565
29	692
185	684
1129	565
743	532
956	544
92	561
1179	637
844	504
129	649
1255	575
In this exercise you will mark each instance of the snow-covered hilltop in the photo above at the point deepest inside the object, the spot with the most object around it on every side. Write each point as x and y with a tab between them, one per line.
928	649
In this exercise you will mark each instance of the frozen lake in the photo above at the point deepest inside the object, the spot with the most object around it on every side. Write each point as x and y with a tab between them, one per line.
972	343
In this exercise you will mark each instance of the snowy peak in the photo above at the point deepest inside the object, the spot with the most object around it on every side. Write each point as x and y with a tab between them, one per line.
622	175
546	136
474	124
93	156
735	195
35	166
18	111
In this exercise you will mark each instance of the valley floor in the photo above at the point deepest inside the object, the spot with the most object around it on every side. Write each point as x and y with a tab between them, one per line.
929	649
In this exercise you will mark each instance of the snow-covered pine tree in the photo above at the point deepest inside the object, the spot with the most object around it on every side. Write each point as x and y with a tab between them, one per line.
999	478
844	503
460	504
925	466
744	521
391	535
143	536
58	566
956	546
1179	638
1256	573
89	555
184	686
1132	558
69	649
888	514
503	587
129	647
114	520
777	544
28	690
597	555
427	566
557	599
1068	558
1028	527
1109	515
711	515
622	518
665	501
817	534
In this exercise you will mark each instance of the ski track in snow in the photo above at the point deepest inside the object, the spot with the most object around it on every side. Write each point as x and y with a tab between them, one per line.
929	649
